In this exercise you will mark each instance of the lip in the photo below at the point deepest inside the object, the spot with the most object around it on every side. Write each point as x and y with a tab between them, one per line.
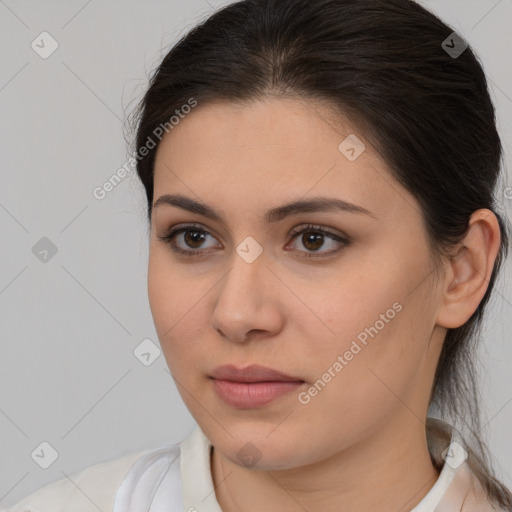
252	386
251	373
244	395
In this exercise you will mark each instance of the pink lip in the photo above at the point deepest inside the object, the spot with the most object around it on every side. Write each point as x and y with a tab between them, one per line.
252	394
251	373
252	386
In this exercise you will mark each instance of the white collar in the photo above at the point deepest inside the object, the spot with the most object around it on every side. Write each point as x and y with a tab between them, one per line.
198	490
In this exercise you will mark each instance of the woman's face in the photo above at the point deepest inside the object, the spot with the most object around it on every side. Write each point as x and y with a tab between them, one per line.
350	313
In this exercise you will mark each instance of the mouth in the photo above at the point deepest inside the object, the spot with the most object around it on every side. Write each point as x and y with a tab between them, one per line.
252	373
252	386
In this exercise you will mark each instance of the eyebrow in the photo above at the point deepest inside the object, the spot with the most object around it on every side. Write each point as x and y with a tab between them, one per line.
273	215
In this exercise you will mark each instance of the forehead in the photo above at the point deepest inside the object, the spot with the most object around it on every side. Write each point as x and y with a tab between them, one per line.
272	150
292	122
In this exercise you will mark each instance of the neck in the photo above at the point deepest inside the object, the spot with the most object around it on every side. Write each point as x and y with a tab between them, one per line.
389	471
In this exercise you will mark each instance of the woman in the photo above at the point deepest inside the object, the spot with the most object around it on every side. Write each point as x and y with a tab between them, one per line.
323	242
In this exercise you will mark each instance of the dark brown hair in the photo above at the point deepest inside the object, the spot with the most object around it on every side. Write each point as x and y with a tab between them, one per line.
428	113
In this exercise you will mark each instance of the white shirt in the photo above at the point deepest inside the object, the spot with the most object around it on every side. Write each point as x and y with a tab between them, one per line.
177	478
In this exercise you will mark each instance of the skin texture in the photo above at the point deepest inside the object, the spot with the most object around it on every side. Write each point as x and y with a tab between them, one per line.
359	444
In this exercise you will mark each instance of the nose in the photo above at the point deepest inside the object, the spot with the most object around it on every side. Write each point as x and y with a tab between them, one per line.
248	302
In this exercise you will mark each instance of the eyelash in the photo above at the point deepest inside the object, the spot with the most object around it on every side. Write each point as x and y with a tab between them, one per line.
173	232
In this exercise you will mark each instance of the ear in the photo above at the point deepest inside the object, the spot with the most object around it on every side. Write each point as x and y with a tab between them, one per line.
469	270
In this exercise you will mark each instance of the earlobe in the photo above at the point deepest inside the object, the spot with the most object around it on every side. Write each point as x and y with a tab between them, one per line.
470	270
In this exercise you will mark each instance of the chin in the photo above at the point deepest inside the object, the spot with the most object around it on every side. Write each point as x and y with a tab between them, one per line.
253	448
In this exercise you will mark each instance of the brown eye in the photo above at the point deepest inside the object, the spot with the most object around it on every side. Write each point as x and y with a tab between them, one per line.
188	240
312	241
315	238
193	239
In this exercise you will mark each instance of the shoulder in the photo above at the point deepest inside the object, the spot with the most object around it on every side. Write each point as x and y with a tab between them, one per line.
477	500
91	489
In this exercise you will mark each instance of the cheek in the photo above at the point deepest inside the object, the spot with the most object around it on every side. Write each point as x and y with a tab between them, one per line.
364	334
161	293
347	304
170	294
360	382
167	297
178	308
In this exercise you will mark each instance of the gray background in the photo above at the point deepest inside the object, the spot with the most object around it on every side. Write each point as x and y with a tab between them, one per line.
68	374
